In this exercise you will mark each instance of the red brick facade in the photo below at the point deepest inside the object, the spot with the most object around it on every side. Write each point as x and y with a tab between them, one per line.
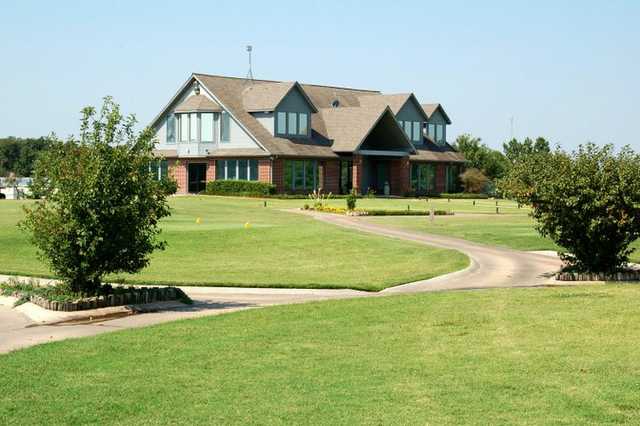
441	177
399	176
331	176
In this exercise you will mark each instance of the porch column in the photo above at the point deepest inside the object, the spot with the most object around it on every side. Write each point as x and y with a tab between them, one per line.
211	170
441	177
356	172
331	172
178	170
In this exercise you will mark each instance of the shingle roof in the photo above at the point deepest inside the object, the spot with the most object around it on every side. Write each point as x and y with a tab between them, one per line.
264	96
198	103
229	91
349	126
430	151
431	108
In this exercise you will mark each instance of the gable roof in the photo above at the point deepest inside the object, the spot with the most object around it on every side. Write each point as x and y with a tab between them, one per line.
266	96
431	108
197	103
229	93
349	126
394	101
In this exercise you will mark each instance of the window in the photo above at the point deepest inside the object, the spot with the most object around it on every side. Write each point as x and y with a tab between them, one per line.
159	169
407	128
423	178
417	134
237	169
225	130
346	176
292	123
242	170
184	128
304	118
193	127
300	175
439	132
206	127
431	130
282	123
171	128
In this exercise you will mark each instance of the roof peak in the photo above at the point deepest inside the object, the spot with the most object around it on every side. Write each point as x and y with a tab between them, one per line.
284	81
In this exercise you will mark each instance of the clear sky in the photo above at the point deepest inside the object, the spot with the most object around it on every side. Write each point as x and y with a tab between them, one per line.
566	70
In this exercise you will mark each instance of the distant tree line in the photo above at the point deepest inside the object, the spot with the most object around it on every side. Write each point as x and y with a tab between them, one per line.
485	165
18	155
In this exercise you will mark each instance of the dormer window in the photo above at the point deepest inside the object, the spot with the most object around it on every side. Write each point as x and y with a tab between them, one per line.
436	132
412	129
292	124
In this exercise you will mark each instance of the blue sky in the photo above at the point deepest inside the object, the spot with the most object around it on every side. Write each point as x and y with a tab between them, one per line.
568	71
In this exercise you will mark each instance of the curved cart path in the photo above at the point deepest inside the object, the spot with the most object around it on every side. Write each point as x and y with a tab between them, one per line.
490	267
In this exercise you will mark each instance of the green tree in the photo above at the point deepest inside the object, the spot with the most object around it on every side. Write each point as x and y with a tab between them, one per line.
587	201
18	155
101	206
515	150
491	162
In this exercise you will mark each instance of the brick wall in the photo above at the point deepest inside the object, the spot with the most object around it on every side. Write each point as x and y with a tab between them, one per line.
441	177
357	172
211	170
178	170
264	170
331	172
399	176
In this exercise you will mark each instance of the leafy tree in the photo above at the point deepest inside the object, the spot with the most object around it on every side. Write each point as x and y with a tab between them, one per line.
473	180
587	201
101	205
515	150
19	155
491	162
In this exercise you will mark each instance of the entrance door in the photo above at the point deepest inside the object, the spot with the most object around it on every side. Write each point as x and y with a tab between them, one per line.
381	175
197	177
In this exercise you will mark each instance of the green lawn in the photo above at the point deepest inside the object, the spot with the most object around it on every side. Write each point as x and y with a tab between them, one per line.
513	231
508	356
279	249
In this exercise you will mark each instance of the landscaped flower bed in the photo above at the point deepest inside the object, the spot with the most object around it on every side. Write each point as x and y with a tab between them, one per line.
58	298
376	212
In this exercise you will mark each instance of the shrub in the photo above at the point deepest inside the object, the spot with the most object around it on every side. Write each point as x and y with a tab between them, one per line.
169	186
473	180
371	212
240	187
351	199
101	206
463	196
587	202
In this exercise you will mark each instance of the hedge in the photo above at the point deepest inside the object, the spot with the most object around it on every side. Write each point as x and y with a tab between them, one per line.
463	196
239	187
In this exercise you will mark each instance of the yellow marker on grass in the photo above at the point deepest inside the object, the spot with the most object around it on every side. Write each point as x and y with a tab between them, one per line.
199	220
247	225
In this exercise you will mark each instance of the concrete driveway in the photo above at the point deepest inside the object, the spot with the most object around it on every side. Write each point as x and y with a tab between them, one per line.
490	267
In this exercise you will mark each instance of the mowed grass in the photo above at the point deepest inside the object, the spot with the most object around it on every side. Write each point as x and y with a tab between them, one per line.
510	230
239	242
508	356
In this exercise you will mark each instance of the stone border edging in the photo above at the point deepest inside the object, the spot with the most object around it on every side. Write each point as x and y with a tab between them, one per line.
132	297
600	276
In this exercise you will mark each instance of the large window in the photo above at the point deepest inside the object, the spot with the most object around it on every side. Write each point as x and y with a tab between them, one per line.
300	175
292	123
423	178
413	130
225	130
159	169
193	127
245	169
453	179
184	127
171	128
206	127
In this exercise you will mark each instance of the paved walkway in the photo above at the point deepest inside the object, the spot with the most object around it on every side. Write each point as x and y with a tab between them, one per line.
490	267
